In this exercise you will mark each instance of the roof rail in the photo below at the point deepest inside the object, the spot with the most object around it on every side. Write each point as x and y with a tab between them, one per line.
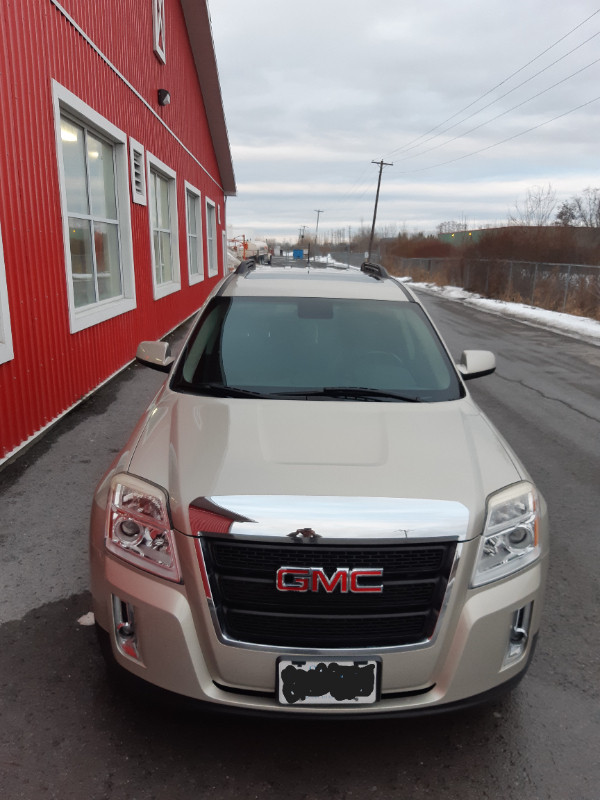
374	270
245	266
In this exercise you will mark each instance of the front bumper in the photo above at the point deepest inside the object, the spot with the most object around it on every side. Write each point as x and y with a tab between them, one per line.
179	651
173	701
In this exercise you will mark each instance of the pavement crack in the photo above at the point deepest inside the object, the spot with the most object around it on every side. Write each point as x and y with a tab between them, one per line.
539	392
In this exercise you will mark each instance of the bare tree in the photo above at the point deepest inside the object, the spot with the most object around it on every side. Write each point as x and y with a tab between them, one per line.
537	208
582	209
588	208
451	226
567	214
388	231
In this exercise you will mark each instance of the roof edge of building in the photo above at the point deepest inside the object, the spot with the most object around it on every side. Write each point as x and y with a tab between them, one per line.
198	23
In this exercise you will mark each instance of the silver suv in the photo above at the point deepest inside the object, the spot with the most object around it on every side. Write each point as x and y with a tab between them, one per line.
313	516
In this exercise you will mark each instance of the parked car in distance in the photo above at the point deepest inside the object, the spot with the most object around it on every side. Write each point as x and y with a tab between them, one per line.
313	516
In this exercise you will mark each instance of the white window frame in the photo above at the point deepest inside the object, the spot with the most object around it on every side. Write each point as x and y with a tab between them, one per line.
65	101
195	277
174	285
138	172
6	348
158	30
225	263
212	258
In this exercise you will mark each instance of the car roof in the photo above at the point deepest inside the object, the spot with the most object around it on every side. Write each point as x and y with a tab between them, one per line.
315	281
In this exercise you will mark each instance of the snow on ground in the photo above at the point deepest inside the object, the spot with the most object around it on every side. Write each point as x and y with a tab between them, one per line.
578	327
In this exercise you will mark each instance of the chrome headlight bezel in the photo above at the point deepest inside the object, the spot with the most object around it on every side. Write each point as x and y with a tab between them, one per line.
138	527
510	539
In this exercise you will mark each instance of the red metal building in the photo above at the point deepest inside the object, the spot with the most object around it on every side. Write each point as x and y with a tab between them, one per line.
114	169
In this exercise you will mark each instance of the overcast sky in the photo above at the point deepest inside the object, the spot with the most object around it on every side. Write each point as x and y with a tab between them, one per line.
314	91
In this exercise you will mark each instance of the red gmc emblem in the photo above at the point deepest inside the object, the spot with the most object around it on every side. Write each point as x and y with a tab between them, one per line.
312	579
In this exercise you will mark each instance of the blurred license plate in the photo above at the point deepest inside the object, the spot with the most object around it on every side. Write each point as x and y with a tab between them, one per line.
325	682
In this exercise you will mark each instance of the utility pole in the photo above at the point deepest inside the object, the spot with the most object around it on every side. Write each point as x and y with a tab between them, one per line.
318	211
382	164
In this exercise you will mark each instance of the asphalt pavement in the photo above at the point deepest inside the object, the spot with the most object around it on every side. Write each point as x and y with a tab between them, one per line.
46	491
66	733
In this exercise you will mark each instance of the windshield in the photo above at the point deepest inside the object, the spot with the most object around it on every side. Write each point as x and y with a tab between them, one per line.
319	348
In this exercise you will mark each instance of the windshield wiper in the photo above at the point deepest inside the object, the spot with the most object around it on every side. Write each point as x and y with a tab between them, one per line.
342	392
220	390
354	393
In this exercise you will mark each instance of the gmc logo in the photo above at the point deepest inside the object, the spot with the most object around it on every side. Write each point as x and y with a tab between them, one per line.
312	579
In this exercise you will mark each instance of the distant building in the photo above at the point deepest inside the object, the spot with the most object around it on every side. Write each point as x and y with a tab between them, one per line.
461	237
114	169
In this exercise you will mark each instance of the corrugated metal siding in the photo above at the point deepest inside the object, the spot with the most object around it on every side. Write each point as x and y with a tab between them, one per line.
52	369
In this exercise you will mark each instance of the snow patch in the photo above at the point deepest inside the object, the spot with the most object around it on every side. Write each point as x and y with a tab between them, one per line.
578	327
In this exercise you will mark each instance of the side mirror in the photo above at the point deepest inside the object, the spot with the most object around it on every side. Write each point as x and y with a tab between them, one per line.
476	364
156	355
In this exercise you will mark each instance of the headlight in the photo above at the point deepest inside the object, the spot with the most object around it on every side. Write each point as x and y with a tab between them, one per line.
138	528
510	538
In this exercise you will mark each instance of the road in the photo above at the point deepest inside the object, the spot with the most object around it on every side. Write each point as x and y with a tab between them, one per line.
66	733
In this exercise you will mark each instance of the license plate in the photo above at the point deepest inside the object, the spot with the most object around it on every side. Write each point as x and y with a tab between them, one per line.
327	682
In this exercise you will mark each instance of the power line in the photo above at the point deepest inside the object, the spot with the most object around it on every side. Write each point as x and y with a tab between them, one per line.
503	113
502	96
503	141
413	142
360	185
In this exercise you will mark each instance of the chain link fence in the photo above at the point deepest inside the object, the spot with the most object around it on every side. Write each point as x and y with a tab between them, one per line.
572	288
352	259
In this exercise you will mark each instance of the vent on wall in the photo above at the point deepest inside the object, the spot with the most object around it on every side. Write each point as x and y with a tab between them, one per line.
138	173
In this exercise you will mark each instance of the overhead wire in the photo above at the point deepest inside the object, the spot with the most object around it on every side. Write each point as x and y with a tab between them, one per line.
413	142
503	141
361	186
501	97
503	113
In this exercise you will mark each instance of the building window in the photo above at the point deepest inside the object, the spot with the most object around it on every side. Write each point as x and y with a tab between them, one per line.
211	238
89	166
225	258
158	29
6	349
92	161
138	174
194	233
162	199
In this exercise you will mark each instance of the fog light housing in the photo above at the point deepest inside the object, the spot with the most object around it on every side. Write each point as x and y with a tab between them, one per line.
519	634
125	628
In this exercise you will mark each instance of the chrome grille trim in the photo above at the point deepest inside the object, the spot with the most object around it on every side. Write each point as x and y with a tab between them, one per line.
227	640
335	518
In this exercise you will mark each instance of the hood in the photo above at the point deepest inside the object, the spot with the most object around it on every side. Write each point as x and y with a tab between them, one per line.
202	447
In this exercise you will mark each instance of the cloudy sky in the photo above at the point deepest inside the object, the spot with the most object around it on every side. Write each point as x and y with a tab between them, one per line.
473	102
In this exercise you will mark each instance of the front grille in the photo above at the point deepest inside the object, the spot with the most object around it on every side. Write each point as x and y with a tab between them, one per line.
251	609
